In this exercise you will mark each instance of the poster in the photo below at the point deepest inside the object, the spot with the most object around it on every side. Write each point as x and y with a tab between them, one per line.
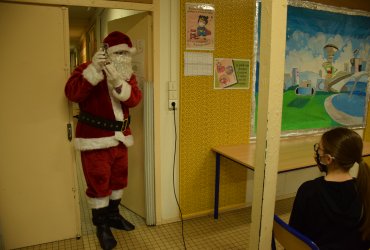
231	73
200	26
198	64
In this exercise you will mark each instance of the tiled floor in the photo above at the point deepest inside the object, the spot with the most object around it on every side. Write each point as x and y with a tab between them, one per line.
230	231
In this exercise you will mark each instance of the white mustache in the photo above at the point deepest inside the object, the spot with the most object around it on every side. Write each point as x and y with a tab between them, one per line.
120	59
124	69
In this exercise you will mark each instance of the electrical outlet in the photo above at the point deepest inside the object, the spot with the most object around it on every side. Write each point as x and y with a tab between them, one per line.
170	107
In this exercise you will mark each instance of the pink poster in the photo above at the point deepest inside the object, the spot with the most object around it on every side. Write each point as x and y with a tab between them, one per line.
200	26
225	72
231	73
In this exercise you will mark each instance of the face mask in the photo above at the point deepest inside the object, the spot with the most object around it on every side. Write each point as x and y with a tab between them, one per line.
322	166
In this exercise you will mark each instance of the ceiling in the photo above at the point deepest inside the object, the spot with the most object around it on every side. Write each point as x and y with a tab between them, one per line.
80	20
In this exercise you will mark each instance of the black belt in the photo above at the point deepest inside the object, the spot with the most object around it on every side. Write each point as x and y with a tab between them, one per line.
99	122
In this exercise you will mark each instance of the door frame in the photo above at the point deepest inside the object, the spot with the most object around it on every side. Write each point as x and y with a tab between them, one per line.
139	194
154	8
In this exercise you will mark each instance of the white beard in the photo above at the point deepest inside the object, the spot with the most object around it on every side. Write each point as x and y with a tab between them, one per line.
123	65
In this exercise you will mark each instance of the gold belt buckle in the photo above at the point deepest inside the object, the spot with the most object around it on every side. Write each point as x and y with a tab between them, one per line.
124	125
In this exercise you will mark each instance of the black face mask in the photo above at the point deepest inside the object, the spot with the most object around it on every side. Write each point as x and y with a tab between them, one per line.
322	167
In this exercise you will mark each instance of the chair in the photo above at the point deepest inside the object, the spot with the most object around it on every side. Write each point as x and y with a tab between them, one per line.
290	238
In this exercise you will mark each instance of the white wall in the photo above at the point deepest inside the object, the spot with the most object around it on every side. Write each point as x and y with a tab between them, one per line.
287	183
112	14
169	71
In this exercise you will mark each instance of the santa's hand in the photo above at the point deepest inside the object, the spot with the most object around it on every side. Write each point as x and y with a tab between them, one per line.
113	76
99	60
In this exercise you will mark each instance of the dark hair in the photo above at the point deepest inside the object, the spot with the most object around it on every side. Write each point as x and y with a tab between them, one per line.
346	146
203	18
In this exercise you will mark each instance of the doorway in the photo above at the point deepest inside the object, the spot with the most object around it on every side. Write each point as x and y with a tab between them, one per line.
94	24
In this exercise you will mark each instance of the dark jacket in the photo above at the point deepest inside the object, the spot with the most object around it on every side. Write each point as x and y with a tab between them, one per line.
329	213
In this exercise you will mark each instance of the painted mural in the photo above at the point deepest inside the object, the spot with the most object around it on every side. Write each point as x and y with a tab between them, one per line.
327	68
327	65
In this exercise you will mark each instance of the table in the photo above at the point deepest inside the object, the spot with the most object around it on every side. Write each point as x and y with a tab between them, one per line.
294	154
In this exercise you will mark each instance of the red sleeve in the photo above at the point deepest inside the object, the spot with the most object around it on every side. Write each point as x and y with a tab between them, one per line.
77	87
135	96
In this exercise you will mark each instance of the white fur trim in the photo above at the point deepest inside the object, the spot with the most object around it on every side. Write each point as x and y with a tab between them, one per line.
97	203
120	47
116	194
125	92
116	105
95	143
127	140
92	75
84	144
115	84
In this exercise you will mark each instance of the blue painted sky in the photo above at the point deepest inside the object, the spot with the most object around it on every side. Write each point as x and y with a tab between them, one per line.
308	31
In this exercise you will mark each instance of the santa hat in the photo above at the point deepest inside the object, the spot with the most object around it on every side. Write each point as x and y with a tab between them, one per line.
118	41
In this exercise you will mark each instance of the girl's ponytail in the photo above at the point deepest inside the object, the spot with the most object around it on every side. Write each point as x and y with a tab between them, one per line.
363	184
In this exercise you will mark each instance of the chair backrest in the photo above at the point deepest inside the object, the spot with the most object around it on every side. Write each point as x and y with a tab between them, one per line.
290	238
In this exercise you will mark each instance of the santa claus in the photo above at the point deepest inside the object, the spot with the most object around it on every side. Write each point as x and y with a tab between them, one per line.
105	89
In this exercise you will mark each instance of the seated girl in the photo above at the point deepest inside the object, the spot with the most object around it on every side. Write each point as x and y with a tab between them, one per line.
334	210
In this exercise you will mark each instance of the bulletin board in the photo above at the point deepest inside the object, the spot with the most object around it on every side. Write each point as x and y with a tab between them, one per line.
211	117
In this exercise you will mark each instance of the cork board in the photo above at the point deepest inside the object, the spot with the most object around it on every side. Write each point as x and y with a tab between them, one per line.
211	117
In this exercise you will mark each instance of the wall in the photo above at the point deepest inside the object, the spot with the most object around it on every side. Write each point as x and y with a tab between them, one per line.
112	14
169	71
210	117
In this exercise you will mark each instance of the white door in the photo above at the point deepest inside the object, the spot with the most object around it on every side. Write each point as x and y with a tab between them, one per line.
38	203
138	28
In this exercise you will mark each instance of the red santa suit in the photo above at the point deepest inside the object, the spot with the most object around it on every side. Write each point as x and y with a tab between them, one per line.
103	152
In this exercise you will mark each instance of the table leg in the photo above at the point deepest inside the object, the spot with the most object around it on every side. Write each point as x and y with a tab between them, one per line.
217	186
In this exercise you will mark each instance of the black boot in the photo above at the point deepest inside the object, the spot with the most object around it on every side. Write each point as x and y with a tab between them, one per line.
115	219
103	232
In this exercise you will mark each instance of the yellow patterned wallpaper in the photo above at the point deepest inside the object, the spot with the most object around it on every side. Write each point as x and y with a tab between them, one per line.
211	117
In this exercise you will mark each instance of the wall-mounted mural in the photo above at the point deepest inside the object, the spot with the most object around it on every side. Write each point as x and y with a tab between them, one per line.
327	65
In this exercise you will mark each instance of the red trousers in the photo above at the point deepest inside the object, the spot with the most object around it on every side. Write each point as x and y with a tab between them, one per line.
105	170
